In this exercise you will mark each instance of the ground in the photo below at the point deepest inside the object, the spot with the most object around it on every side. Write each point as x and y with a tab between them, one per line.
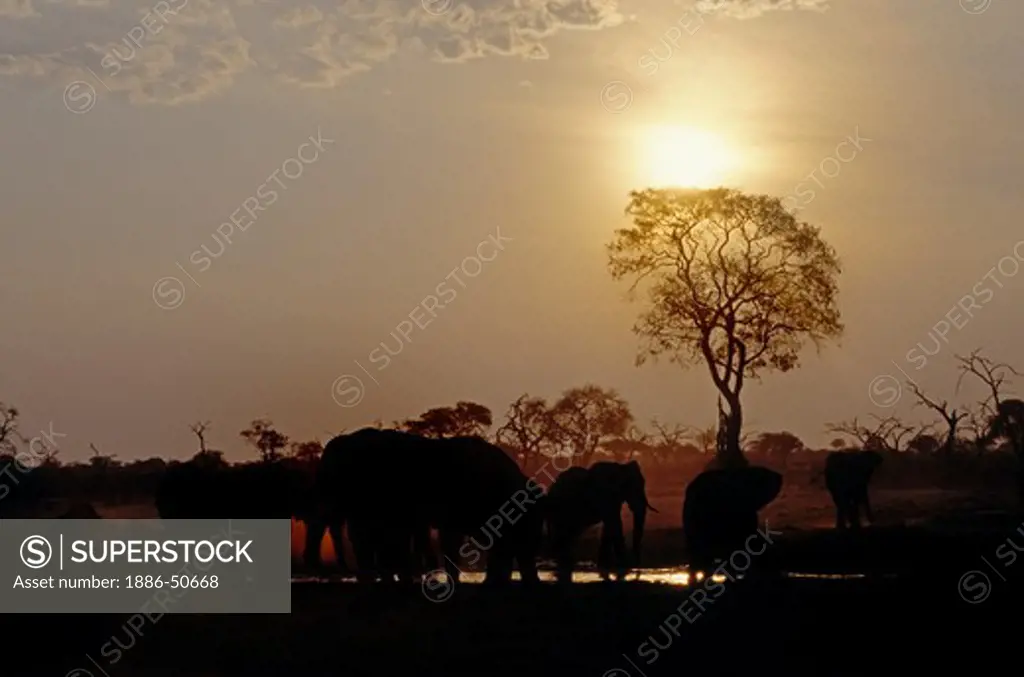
911	610
817	627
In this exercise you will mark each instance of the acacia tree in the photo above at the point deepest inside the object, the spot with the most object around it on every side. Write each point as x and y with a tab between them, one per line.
924	443
464	419
632	443
589	417
733	281
265	438
8	428
776	445
307	452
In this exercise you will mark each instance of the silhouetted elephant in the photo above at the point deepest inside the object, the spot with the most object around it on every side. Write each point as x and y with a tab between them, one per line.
384	549
275	490
720	511
847	475
583	497
390	486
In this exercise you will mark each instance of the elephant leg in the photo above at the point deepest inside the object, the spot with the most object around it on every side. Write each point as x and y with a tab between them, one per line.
424	555
525	558
335	529
619	544
314	535
499	563
364	548
527	540
842	508
451	541
867	507
563	542
613	542
403	554
395	559
855	512
414	553
604	553
388	555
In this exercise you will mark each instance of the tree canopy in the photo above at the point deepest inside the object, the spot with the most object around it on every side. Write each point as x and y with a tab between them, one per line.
464	419
732	280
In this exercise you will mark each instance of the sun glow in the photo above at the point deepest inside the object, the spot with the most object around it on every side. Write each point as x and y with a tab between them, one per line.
686	157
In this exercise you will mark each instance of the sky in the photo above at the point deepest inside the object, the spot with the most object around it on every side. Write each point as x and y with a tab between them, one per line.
443	177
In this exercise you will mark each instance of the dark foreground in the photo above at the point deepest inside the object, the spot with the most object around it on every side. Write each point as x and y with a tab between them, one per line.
928	617
817	627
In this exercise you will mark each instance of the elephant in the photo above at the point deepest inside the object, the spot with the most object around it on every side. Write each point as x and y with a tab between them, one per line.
390	487
272	490
720	511
582	497
847	475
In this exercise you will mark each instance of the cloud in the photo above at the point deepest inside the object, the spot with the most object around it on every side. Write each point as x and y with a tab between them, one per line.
179	51
17	9
300	16
748	9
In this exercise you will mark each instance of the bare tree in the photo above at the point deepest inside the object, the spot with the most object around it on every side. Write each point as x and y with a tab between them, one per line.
993	376
705	439
529	431
852	428
885	434
199	428
1003	416
977	423
951	415
668	441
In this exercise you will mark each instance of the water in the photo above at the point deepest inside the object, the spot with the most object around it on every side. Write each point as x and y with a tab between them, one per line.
674	576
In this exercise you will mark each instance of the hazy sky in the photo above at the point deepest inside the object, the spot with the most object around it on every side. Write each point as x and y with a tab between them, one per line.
132	130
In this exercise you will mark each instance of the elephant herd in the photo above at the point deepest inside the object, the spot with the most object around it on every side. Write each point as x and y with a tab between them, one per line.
389	489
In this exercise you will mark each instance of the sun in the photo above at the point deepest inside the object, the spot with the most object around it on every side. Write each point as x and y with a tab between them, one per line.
686	157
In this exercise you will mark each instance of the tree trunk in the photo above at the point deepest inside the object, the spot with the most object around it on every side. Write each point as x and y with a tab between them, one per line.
730	454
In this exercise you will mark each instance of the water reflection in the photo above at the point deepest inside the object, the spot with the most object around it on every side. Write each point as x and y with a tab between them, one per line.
675	576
